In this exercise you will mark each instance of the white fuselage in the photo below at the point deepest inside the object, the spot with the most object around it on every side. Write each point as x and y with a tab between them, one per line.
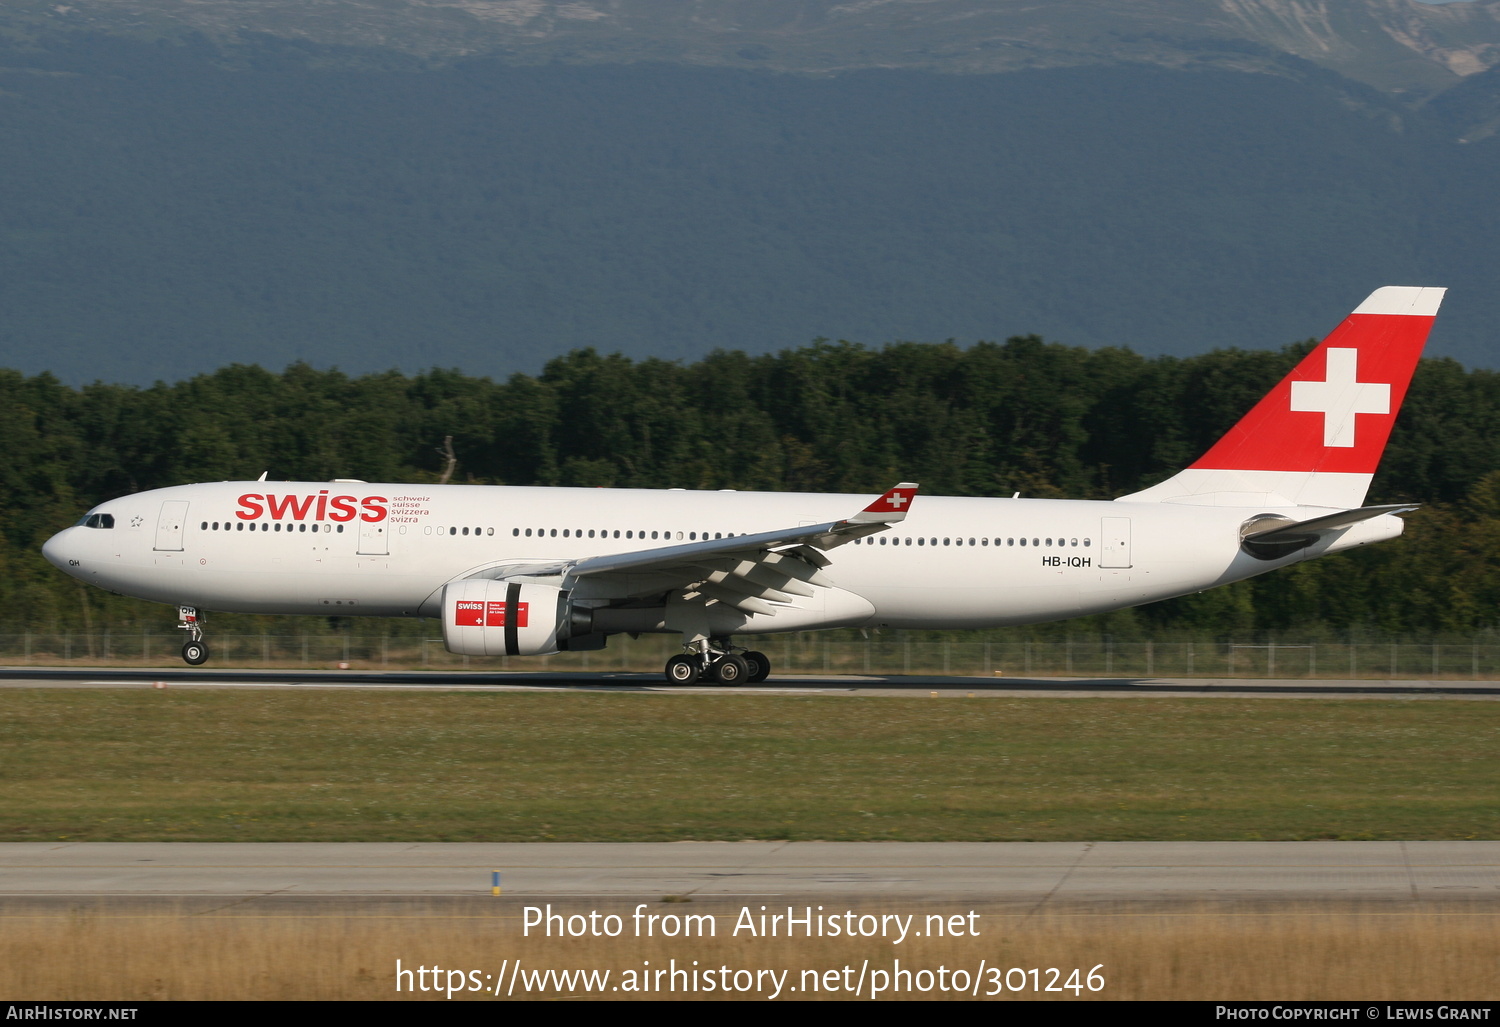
387	550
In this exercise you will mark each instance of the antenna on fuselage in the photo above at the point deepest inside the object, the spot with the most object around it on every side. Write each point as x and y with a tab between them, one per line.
263	475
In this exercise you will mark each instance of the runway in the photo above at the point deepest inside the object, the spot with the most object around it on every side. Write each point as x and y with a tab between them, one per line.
780	684
1032	875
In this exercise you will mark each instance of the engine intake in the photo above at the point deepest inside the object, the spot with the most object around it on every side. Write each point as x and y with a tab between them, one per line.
483	617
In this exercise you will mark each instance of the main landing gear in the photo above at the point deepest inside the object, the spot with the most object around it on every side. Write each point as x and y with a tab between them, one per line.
194	650
717	661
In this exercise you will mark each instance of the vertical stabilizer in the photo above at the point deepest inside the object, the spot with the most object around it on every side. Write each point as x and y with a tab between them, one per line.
1317	437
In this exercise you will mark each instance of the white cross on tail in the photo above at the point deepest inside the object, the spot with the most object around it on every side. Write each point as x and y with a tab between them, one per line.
1340	397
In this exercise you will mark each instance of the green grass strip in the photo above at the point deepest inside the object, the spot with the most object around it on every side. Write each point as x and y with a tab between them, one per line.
258	765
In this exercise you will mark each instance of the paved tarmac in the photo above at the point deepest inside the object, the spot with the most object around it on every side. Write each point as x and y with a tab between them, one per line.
780	684
1032	873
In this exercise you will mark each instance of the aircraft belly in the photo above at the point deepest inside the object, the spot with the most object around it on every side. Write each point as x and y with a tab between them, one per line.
971	606
366	587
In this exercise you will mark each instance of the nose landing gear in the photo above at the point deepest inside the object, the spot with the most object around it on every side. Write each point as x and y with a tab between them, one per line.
194	650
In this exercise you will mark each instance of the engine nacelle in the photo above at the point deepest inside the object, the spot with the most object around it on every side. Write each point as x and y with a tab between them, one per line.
482	617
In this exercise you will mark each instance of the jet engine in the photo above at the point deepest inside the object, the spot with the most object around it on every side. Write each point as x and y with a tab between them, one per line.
483	617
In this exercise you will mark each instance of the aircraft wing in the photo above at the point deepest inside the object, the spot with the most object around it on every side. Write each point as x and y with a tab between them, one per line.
748	572
875	517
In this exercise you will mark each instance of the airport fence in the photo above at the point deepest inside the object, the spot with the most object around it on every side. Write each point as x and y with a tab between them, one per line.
807	653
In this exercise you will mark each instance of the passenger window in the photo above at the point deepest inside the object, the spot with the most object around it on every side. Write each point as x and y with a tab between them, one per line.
921	541
1086	542
1023	542
201	527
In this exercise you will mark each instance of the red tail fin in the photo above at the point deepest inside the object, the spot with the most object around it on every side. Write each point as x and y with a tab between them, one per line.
1316	438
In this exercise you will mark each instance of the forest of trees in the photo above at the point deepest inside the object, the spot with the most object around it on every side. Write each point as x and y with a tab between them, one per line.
1022	416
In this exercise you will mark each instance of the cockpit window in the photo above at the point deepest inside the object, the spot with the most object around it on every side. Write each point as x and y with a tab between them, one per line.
98	520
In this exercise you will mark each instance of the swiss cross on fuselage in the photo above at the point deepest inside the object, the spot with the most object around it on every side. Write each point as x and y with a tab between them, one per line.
1340	397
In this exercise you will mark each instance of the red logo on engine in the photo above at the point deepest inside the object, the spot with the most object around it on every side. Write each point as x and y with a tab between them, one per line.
468	613
475	613
495	616
321	507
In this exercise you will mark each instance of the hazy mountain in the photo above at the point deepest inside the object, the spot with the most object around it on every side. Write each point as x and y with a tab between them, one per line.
214	182
1392	44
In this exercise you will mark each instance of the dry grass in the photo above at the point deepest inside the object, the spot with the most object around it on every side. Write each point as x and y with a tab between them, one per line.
1304	952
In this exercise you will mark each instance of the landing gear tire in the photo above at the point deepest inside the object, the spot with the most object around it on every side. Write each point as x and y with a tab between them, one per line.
682	670
760	666
731	670
194	653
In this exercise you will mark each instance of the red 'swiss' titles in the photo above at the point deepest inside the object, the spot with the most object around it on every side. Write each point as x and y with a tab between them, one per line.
321	507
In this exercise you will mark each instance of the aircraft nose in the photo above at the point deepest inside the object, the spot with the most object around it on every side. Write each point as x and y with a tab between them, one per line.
56	549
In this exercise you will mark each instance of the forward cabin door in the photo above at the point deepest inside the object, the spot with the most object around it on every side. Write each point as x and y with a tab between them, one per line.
1115	535
374	538
169	525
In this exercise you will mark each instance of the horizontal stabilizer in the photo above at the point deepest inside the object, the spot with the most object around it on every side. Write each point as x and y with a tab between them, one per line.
1318	525
1274	537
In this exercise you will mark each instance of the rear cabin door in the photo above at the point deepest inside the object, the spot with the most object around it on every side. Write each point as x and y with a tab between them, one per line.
169	525
1115	536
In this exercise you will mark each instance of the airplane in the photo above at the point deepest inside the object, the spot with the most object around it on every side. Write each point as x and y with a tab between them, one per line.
533	570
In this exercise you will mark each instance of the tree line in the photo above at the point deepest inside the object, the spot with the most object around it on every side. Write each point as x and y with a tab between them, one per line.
1025	415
